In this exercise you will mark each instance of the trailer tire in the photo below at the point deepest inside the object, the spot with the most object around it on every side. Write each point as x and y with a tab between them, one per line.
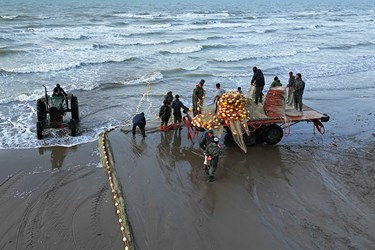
41	111
75	109
250	139
272	134
39	130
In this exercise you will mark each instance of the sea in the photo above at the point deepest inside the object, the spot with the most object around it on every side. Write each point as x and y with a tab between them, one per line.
107	52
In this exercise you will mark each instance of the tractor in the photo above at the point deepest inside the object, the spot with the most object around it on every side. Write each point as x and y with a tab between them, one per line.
51	111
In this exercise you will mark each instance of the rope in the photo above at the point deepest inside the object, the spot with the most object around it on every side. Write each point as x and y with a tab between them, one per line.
286	126
108	165
319	126
118	200
186	119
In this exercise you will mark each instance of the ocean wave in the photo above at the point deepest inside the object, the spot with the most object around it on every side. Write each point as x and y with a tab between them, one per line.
183	50
347	46
6	52
8	17
75	37
235	57
56	67
179	70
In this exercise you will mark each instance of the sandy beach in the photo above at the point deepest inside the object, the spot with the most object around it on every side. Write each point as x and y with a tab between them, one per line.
310	191
56	198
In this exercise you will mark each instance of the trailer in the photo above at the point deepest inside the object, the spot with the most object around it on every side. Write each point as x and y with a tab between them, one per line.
271	130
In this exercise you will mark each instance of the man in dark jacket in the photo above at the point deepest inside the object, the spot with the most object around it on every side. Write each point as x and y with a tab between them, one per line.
207	139
299	87
176	106
140	121
168	98
258	81
164	114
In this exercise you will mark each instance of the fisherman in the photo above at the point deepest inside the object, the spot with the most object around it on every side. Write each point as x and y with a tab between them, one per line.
168	98
258	81
197	97
58	91
276	82
299	87
219	92
239	91
212	152
140	121
164	114
208	137
176	106
290	87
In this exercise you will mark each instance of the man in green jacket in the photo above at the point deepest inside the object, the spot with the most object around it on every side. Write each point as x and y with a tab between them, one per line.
276	82
299	87
212	153
197	98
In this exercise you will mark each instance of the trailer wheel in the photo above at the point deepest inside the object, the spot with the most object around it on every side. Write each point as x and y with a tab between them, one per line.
73	127
41	110
74	107
39	130
251	139
272	134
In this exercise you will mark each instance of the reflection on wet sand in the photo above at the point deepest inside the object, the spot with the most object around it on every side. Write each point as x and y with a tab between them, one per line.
270	198
58	154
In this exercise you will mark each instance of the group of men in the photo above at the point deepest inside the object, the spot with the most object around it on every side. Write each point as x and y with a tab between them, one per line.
296	87
210	143
166	110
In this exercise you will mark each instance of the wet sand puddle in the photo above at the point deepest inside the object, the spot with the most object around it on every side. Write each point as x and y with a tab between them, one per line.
272	197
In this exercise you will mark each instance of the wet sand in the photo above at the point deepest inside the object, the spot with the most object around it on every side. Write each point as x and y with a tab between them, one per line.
56	198
309	192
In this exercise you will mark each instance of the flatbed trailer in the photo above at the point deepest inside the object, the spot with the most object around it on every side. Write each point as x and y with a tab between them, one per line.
271	130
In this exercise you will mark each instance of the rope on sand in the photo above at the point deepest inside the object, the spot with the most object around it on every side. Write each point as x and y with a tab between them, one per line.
117	194
109	167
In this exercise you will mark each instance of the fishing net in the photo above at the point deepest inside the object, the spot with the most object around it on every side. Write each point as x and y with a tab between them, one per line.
274	104
231	112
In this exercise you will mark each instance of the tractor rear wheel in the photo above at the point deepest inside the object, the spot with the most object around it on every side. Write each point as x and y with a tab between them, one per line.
39	130
73	127
41	110
272	134
74	107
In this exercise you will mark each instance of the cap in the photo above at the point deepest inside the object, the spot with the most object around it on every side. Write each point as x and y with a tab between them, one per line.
216	140
210	131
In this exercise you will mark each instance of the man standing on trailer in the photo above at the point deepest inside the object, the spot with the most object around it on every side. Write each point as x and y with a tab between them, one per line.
290	87
258	81
299	87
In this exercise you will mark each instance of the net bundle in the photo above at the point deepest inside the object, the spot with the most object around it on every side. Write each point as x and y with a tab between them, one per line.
231	112
274	104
